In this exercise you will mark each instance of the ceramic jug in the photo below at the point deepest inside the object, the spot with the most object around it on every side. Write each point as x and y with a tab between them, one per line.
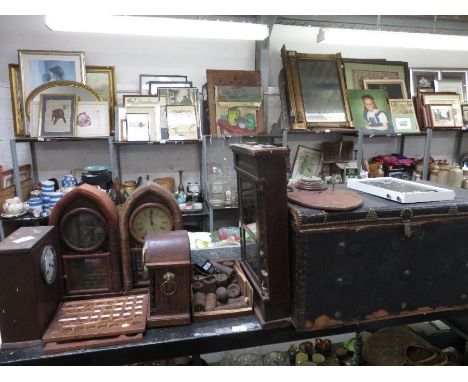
69	181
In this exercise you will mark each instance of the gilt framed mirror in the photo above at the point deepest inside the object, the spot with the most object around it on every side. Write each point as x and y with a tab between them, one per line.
316	91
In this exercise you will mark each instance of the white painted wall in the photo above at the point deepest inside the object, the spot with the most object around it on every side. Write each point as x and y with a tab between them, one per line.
132	56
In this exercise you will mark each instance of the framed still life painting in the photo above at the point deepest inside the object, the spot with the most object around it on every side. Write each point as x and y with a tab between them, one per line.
57	115
92	119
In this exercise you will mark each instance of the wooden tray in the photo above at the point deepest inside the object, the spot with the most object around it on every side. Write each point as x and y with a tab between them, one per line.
328	200
246	290
98	318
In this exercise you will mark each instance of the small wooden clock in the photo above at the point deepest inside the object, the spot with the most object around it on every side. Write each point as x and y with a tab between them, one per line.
87	220
167	262
30	287
150	208
263	210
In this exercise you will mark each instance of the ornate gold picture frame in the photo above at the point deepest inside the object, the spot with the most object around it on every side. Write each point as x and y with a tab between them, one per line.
16	106
102	80
316	91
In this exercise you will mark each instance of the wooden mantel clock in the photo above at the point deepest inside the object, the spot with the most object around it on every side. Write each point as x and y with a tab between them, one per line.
150	208
87	221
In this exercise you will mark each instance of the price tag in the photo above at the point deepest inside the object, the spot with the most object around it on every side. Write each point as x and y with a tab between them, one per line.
239	328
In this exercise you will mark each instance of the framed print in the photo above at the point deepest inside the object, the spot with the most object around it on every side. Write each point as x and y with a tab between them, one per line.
182	123
307	163
316	89
179	96
155	85
358	70
464	108
102	79
370	111
451	86
452	99
441	115
38	67
145	80
396	89
140	100
16	106
423	80
403	116
154	115
57	115
138	127
92	119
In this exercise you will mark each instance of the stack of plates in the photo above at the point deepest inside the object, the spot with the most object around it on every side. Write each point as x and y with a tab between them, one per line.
312	184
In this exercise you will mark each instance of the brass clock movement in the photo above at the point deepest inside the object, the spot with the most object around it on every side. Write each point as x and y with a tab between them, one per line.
150	208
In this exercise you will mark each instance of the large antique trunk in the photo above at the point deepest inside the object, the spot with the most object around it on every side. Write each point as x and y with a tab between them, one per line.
383	260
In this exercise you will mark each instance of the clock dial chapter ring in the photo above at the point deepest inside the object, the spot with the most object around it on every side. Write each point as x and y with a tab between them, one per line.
49	264
150	217
89	226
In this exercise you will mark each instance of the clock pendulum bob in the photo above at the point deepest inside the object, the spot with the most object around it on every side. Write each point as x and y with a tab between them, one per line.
167	262
30	287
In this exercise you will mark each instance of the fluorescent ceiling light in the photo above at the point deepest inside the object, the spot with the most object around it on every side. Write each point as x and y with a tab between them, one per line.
392	39
158	26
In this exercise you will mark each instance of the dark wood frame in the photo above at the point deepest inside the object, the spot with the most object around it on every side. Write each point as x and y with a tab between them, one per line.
87	196
294	91
137	211
423	112
428	109
148	193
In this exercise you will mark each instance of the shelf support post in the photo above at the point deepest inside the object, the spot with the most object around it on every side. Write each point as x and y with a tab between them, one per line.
427	154
16	173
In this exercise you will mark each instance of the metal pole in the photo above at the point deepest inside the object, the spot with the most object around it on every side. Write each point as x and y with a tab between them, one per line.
2	232
427	154
35	172
401	144
113	164
360	151
16	173
458	144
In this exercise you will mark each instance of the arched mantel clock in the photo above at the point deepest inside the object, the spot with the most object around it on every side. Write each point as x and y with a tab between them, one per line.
87	222
150	208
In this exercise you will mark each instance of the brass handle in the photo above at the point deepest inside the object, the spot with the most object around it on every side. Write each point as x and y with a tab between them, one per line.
169	285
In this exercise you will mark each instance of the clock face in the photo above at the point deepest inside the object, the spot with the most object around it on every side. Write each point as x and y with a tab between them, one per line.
83	229
150	217
49	264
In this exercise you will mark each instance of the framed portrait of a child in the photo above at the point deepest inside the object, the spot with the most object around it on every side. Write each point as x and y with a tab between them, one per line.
370	111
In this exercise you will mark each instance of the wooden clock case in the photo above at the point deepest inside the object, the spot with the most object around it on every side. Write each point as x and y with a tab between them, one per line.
131	248
261	184
94	271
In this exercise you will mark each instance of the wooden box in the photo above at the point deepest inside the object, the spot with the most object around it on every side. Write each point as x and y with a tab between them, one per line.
7	178
246	290
30	288
382	261
167	261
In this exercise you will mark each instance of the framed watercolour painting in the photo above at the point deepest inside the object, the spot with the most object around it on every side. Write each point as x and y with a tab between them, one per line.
307	163
92	119
138	127
38	67
146	78
370	111
403	116
102	80
57	115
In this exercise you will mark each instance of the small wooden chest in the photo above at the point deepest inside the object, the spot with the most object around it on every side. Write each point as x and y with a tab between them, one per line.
167	261
381	261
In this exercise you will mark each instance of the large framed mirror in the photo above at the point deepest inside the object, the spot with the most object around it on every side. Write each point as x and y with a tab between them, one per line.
316	91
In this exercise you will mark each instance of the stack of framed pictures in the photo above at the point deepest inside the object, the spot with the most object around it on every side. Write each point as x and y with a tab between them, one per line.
440	110
170	113
51	98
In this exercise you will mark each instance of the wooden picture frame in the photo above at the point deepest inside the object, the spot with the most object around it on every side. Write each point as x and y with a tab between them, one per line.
385	85
447	98
102	80
437	117
50	117
232	78
306	154
146	78
403	116
292	61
